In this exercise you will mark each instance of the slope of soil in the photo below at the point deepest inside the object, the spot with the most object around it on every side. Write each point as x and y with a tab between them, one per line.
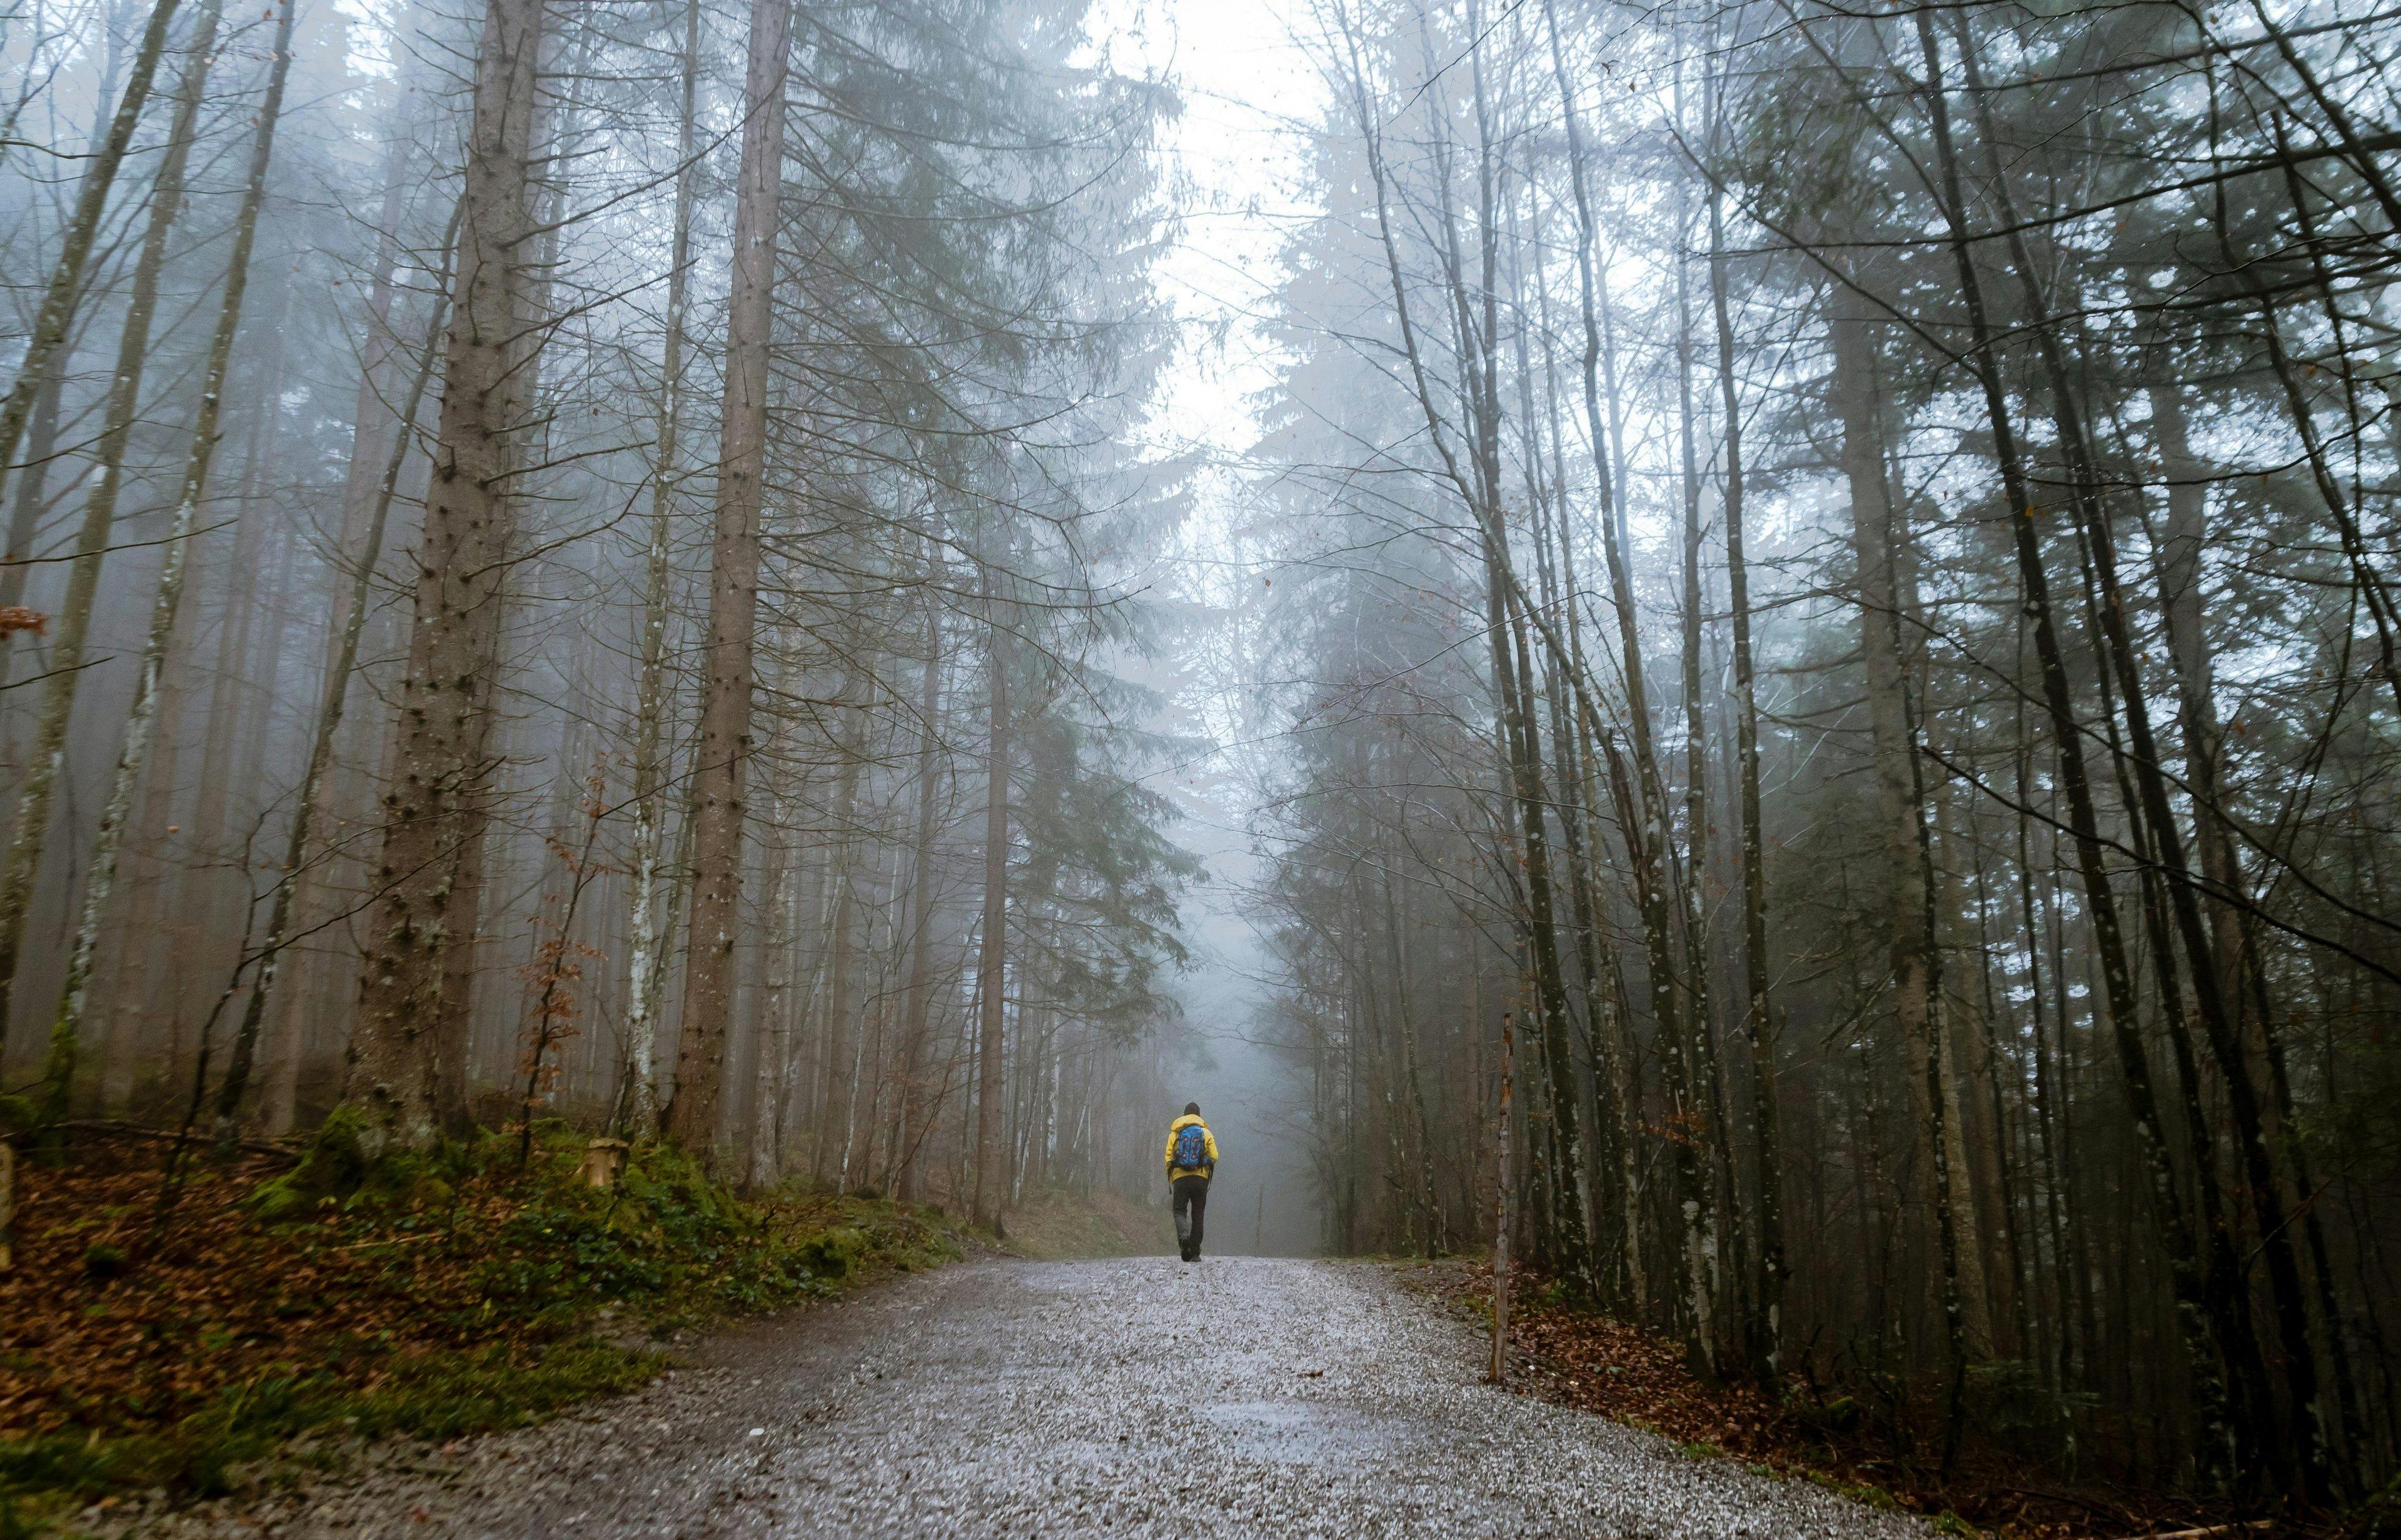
1056	1225
347	1301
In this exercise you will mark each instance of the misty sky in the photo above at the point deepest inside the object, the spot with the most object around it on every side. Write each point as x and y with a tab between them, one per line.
1237	164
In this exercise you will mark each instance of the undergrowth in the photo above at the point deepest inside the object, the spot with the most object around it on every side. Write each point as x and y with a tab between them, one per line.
427	1296
1565	1352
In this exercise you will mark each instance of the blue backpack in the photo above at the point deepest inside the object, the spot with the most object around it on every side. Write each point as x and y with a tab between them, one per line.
1191	1147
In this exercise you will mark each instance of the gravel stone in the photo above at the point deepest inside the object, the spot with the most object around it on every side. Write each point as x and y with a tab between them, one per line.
1140	1396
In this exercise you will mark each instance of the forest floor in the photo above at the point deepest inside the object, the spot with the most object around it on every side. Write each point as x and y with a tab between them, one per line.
337	1349
1053	1226
283	1316
1239	1396
1573	1356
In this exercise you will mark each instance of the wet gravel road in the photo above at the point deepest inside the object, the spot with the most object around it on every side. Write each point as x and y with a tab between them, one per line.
1139	1397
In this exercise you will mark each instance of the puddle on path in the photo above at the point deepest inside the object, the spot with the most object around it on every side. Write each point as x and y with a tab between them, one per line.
1306	1433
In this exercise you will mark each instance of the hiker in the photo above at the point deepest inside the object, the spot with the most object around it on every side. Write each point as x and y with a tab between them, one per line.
1191	1161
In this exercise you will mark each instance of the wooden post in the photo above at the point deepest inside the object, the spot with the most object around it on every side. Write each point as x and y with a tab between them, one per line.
1500	1228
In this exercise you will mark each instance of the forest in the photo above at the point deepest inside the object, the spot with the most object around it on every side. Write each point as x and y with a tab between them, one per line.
1789	652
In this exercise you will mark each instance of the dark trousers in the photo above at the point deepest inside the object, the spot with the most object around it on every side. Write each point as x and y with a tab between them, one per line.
1191	1202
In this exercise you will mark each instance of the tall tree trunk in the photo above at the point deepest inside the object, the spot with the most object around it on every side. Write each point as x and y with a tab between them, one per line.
1766	1340
134	1020
764	1161
991	962
2200	1332
30	837
49	333
210	889
66	1037
1917	980
908	1181
2183	539
2074	1323
647	949
374	430
435	806
829	1125
1709	1240
1646	834
2207	973
25	511
293	876
720	767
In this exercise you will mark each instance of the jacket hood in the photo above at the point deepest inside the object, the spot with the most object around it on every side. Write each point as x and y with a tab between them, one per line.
1186	1120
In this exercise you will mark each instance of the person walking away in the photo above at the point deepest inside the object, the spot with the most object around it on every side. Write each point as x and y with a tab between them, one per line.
1191	1161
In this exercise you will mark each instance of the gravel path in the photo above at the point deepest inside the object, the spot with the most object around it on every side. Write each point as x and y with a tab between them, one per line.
1239	1397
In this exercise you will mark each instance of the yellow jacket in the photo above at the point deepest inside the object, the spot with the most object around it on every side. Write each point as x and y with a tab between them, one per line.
1206	1137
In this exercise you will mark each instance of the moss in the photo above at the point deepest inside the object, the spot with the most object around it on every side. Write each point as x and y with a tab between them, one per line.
1872	1495
490	1324
432	1395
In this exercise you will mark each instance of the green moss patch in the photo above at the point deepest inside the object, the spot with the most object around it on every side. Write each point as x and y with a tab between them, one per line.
346	1296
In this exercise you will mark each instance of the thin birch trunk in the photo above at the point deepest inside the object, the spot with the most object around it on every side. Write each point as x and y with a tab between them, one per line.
1610	1237
1766	1342
66	1037
210	887
1615	1101
25	511
30	839
1571	1201
1707	1241
137	987
2058	1217
49	330
1646	834
646	952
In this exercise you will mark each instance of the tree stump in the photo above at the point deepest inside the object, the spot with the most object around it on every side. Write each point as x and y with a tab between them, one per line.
604	1160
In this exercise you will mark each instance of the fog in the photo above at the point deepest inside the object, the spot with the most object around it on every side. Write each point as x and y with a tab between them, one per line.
883	593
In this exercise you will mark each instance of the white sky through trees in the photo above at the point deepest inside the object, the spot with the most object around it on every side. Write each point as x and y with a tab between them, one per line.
1236	155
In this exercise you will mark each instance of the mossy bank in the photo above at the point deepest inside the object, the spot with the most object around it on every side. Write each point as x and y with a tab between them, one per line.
430	1296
